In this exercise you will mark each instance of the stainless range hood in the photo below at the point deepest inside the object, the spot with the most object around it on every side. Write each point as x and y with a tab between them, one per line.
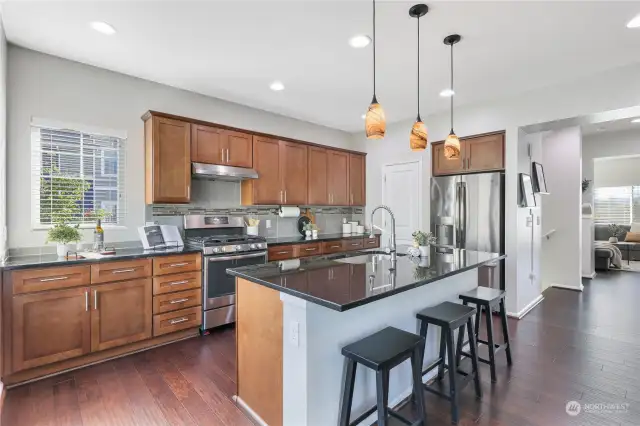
225	173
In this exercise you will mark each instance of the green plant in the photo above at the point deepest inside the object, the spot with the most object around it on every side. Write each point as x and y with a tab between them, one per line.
310	227
423	238
63	234
616	230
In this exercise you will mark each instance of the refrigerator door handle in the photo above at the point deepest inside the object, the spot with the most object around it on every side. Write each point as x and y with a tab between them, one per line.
458	214
463	198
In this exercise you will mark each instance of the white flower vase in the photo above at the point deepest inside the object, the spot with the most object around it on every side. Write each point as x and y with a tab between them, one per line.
613	240
63	249
424	251
307	233
314	233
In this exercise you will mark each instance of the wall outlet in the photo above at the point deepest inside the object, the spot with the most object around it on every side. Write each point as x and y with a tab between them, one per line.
267	223
294	333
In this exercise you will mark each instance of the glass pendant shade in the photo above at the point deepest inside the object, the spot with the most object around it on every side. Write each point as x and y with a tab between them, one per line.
452	146
375	122
418	137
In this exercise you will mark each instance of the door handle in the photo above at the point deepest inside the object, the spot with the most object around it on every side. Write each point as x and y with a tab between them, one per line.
95	300
179	300
178	321
285	195
222	155
86	301
176	265
281	196
179	282
227	155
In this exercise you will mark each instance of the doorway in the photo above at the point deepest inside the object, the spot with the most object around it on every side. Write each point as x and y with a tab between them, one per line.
402	193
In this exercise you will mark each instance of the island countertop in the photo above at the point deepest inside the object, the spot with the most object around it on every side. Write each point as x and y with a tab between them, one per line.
348	280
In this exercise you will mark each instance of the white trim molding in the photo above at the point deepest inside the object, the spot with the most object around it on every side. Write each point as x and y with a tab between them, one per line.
591	276
568	287
524	311
248	411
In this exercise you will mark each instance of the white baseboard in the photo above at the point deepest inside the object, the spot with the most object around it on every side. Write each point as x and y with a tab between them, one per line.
524	311
248	411
590	276
567	287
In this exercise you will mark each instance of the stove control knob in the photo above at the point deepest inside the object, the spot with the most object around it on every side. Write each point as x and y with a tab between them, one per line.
253	246
238	248
260	245
216	249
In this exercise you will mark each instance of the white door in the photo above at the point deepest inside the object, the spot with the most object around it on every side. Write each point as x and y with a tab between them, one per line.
402	193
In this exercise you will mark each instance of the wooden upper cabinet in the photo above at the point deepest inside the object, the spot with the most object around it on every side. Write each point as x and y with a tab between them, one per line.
338	180
317	176
357	193
206	144
293	172
49	327
477	154
121	313
167	160
267	188
239	149
484	153
442	165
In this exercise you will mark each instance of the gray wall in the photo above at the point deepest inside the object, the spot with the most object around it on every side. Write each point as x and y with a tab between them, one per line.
3	139
48	87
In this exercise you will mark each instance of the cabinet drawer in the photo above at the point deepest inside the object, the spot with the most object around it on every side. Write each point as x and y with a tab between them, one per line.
32	280
163	265
174	301
281	253
352	244
329	247
177	320
177	282
372	242
120	271
310	249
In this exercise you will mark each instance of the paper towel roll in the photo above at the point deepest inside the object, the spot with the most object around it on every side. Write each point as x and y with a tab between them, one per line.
289	212
289	265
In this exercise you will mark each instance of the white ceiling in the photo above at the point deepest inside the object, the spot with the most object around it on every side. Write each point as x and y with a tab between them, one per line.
234	49
619	125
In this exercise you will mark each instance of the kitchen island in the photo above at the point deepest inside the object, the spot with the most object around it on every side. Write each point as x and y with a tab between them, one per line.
294	317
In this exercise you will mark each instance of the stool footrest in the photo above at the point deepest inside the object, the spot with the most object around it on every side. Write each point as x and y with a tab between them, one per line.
484	342
403	419
437	392
364	415
392	413
433	365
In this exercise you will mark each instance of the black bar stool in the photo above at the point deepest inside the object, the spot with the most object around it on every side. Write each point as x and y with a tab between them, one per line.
449	317
487	299
381	352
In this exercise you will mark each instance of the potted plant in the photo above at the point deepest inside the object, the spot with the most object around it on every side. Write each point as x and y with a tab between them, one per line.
616	231
422	240
64	234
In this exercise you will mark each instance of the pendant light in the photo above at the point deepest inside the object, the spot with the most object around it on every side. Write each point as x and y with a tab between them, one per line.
452	143
374	122
418	137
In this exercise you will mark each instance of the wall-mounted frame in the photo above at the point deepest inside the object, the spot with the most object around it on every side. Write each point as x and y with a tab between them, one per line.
527	198
539	183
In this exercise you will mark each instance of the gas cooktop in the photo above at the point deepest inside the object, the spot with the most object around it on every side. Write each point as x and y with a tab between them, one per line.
220	244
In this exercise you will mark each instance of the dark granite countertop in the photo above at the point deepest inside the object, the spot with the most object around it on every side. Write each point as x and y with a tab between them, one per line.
22	262
299	239
348	280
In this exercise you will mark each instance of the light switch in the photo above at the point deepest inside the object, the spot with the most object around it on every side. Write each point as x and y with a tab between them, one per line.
294	333
267	223
529	221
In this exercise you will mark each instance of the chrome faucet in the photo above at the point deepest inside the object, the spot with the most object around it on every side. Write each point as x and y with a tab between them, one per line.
393	230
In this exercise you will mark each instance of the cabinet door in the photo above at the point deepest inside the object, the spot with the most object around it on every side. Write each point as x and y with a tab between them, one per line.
484	153
293	171
338	166
267	188
206	144
442	165
168	161
356	180
318	194
49	327
238	149
121	313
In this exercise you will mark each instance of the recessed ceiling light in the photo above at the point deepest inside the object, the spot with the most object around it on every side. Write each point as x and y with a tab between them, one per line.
363	116
103	27
634	23
636	120
359	41
276	86
447	93
600	129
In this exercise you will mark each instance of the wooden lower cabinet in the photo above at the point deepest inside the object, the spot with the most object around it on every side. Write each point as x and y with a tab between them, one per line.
122	313
177	320
49	327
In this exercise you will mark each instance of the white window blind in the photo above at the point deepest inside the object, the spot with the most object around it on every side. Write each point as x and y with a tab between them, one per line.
77	177
614	205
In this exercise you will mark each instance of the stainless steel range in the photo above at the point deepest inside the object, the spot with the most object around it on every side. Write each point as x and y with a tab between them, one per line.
224	245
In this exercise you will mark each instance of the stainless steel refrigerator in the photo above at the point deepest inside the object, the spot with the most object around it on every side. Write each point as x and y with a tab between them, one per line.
467	212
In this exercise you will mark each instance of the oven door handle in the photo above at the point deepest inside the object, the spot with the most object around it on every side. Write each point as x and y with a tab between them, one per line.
235	257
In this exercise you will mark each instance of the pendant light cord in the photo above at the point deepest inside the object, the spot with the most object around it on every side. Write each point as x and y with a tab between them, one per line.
452	91
374	48
418	20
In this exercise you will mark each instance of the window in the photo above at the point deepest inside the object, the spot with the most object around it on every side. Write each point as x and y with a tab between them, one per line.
616	204
78	176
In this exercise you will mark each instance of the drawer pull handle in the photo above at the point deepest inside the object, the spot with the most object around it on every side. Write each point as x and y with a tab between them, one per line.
44	280
179	282
179	300
355	244
121	271
176	265
178	321
311	249
284	252
335	246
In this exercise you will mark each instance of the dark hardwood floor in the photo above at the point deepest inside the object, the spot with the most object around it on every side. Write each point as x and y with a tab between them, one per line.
574	346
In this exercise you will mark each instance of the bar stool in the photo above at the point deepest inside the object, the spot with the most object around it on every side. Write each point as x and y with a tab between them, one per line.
487	299
381	352
449	317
